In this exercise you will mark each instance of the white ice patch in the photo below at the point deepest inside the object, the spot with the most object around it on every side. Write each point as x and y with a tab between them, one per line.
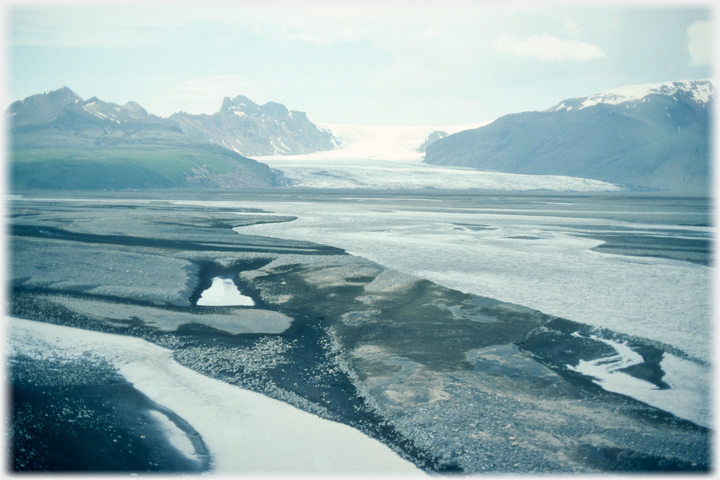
690	395
245	432
606	370
683	399
224	293
359	142
175	435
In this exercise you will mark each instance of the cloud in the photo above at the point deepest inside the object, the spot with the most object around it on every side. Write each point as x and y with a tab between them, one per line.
72	26
700	43
548	48
200	95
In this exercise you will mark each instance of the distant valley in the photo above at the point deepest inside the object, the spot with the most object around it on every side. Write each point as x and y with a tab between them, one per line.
639	138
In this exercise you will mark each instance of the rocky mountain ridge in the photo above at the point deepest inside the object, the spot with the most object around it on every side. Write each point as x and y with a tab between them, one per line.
60	141
247	128
240	125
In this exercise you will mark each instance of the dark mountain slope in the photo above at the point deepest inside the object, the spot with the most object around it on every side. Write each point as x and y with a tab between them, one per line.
658	138
40	108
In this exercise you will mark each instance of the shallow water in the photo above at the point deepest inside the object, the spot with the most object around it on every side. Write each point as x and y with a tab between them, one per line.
542	252
536	251
224	293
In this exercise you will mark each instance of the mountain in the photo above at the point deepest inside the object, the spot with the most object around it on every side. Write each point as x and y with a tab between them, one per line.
41	108
247	128
432	138
653	136
59	141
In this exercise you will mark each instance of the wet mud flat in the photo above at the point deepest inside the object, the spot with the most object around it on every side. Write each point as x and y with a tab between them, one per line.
452	382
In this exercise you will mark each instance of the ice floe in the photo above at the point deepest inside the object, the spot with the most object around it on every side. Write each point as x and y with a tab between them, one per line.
244	431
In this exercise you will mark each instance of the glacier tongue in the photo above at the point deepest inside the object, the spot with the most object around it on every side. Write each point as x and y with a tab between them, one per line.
376	157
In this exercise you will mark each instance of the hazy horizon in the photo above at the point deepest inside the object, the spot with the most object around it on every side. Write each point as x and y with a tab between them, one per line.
393	65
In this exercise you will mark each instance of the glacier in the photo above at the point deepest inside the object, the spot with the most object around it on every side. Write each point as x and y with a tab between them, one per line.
377	157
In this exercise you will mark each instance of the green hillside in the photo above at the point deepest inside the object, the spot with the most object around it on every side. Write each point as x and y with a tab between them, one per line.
58	141
135	168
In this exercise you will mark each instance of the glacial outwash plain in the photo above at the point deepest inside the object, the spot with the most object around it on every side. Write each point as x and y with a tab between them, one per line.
448	381
352	308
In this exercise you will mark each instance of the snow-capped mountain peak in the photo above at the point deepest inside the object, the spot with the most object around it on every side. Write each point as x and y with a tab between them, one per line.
700	91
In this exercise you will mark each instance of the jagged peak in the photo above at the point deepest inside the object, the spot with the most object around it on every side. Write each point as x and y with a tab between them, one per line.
53	95
135	110
238	101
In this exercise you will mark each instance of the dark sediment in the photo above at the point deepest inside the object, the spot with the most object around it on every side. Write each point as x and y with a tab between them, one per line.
82	416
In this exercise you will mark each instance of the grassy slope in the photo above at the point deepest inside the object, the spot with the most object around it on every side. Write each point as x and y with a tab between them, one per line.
131	168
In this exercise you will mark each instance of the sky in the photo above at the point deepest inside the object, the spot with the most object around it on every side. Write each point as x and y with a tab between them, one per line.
425	63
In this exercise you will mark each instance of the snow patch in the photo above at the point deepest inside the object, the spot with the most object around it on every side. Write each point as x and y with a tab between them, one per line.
224	293
700	91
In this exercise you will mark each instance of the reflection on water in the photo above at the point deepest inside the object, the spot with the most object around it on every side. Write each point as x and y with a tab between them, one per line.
224	293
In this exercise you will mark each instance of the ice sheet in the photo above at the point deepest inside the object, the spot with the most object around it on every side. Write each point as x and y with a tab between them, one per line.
245	432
